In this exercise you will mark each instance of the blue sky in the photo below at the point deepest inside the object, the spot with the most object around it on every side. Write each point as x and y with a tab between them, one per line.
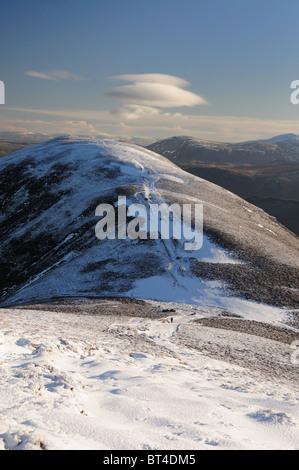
240	57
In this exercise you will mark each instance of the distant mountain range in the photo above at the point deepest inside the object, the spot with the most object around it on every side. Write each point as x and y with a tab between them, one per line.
264	172
25	136
184	149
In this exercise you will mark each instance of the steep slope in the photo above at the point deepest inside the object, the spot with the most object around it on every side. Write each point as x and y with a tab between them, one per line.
265	173
48	198
273	188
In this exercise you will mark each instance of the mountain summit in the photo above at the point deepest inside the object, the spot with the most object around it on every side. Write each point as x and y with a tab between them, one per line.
284	138
49	195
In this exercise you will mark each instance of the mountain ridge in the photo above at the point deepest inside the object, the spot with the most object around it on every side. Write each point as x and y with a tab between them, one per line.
49	193
266	152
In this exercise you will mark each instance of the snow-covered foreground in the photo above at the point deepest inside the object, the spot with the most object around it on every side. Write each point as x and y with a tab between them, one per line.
80	381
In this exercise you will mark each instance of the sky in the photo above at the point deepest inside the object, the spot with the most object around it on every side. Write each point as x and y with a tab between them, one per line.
213	69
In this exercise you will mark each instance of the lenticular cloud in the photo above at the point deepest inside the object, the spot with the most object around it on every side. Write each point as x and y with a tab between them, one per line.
156	90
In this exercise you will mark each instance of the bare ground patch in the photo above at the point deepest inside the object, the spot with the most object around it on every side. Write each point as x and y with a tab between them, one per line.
116	306
257	353
251	327
261	281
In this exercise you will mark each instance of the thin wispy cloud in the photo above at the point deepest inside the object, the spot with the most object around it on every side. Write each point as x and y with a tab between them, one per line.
131	112
153	78
56	75
149	92
158	123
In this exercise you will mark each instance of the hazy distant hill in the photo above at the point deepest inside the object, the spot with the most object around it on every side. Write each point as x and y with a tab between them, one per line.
13	141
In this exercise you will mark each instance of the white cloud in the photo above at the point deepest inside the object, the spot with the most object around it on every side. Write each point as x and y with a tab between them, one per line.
155	94
56	75
133	111
153	78
151	91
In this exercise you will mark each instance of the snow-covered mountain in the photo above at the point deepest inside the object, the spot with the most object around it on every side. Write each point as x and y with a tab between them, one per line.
48	197
185	149
119	374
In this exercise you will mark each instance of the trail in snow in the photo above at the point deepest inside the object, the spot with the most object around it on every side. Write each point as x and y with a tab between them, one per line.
82	381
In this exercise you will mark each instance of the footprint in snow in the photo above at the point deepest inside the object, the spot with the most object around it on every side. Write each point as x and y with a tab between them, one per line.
23	342
118	391
211	442
110	374
138	355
